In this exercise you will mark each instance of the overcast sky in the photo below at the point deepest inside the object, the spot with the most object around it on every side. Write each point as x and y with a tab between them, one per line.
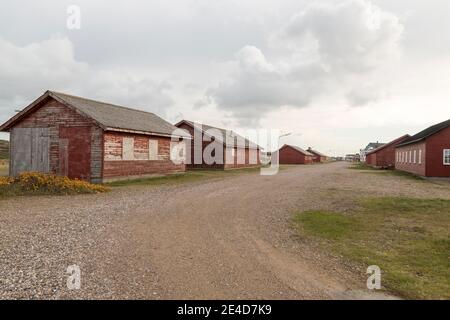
337	74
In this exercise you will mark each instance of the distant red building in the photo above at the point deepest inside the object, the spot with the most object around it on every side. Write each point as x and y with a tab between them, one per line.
317	156
426	153
384	156
294	155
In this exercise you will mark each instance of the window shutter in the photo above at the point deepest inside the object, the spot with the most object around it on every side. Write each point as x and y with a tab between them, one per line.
128	148
152	149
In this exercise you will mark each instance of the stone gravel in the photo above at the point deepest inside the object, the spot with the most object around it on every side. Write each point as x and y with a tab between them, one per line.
229	238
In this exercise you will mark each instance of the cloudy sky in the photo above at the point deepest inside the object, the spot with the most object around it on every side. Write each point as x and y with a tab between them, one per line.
337	74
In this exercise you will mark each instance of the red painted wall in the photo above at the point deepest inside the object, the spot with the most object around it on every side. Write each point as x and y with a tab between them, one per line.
288	155
434	157
385	157
402	162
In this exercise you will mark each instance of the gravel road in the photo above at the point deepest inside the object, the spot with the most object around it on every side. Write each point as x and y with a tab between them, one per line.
228	238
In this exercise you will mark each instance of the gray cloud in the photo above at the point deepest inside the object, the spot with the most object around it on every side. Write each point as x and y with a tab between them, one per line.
328	49
27	71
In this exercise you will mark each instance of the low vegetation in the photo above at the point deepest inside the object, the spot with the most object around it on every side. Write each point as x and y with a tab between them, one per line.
391	172
408	238
33	183
189	176
361	166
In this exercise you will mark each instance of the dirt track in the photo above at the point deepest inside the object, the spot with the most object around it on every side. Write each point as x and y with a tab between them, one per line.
224	239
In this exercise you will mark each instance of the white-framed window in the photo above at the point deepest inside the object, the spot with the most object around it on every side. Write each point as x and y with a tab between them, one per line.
447	157
152	149
410	156
415	156
420	156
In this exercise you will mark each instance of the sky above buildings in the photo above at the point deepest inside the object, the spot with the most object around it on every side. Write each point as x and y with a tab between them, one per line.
336	74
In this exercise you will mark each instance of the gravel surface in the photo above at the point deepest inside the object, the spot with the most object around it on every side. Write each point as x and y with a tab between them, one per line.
228	238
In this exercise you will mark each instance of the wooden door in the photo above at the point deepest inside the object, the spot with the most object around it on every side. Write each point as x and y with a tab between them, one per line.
30	150
75	152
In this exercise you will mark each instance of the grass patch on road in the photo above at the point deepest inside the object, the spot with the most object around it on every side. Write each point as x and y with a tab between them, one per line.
388	172
361	166
408	238
188	176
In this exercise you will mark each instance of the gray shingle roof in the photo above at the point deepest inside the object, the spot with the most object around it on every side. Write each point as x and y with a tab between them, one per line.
310	150
422	135
228	135
117	117
306	153
107	115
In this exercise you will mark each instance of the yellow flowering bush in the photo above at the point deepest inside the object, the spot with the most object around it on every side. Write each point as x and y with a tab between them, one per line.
50	183
5	181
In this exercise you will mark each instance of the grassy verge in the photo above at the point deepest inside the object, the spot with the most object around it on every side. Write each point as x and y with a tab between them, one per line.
369	169
33	183
188	176
408	238
362	166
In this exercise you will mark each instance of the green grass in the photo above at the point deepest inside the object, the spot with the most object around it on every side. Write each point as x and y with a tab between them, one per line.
361	166
188	176
408	238
389	172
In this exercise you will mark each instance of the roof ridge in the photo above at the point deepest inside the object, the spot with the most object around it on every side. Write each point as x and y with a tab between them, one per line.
98	101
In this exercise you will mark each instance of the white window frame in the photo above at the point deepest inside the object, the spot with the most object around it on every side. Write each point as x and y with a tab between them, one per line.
420	156
410	156
446	156
415	156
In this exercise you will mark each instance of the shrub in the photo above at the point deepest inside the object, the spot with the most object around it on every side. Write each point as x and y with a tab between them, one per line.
35	182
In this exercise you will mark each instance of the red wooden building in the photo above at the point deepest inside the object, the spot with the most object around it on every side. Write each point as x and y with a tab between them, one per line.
233	150
91	140
317	156
384	156
426	153
289	154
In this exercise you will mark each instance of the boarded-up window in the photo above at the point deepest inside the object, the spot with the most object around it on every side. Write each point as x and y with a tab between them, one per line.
177	152
152	149
128	148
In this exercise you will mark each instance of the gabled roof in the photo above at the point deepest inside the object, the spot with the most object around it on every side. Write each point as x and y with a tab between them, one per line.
310	150
422	135
228	135
373	145
393	142
306	153
108	116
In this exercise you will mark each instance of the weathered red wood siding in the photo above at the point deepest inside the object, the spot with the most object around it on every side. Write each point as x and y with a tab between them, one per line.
115	167
54	115
226	155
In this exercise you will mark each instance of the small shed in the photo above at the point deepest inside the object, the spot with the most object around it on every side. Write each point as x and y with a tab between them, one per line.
384	156
289	154
91	140
426	153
